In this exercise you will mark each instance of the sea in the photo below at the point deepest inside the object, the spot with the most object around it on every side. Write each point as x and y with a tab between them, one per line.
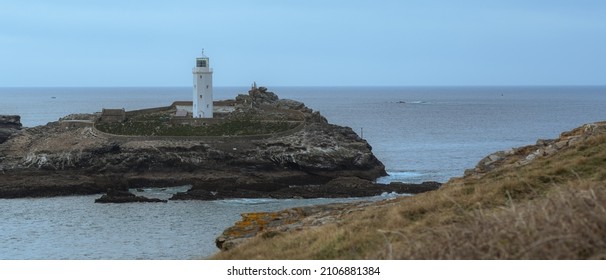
419	133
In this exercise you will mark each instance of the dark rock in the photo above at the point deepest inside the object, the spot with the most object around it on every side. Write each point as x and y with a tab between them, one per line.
343	187
42	184
121	196
9	125
399	187
194	195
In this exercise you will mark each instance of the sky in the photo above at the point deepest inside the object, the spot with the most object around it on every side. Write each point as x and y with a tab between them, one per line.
303	43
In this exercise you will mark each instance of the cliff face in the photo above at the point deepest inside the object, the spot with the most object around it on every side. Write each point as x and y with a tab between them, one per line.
59	159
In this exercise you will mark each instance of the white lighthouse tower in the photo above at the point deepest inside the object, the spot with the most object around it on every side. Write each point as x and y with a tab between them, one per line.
203	88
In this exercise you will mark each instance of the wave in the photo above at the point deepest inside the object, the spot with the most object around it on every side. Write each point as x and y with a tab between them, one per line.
400	176
412	102
164	190
250	201
392	195
404	174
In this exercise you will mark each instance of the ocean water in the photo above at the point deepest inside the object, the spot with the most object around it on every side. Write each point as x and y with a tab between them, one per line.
75	227
419	133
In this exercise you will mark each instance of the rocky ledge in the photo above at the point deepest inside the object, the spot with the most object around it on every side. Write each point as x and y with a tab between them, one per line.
337	188
271	224
543	148
70	157
124	196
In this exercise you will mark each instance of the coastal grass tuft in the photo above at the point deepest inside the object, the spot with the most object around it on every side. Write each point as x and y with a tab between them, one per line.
552	208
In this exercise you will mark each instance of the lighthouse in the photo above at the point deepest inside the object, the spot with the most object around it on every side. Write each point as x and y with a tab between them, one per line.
203	88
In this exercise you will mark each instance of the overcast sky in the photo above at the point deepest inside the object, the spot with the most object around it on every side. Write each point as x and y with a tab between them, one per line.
303	43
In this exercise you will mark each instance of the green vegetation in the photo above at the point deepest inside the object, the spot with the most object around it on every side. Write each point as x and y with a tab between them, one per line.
552	208
158	124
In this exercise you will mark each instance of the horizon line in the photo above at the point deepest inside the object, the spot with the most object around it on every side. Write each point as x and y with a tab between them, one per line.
309	86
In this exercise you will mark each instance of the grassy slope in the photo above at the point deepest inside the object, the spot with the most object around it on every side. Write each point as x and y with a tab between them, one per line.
158	124
552	208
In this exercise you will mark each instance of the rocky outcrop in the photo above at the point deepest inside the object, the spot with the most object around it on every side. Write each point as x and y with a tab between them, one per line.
337	188
257	97
61	160
9	125
271	224
124	196
543	148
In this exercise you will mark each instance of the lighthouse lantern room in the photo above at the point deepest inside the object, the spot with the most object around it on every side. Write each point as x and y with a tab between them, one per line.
203	88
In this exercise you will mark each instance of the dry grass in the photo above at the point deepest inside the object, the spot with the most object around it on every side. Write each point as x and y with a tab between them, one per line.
568	224
553	208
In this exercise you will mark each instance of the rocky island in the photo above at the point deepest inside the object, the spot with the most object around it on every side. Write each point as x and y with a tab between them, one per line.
260	146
